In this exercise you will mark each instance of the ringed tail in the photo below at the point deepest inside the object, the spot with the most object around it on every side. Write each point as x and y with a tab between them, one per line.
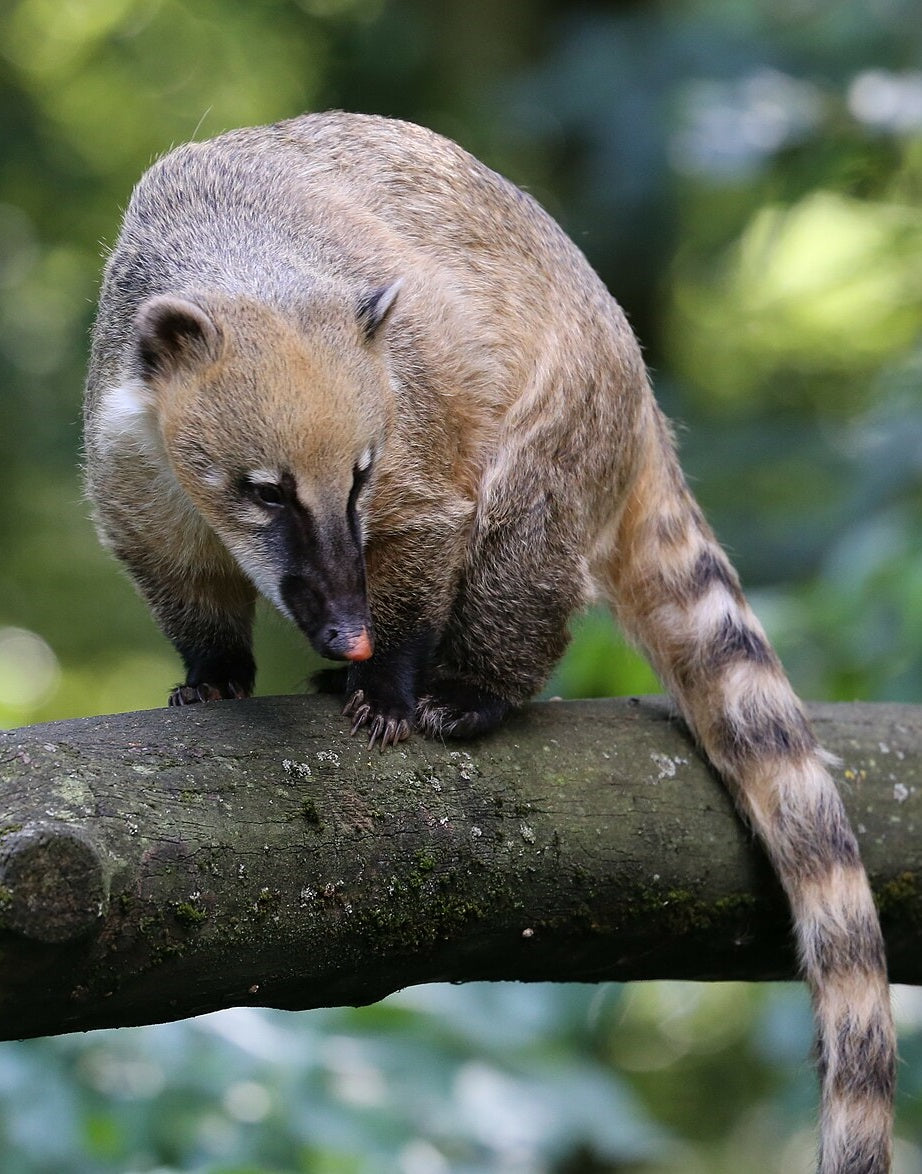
677	596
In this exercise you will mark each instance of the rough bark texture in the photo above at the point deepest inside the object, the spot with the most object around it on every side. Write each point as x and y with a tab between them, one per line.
156	865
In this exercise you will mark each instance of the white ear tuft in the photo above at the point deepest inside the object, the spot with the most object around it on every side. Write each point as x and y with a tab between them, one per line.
173	333
375	306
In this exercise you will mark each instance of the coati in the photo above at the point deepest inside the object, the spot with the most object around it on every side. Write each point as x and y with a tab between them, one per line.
341	363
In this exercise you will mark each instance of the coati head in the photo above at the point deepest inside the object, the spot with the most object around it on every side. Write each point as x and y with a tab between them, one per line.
272	432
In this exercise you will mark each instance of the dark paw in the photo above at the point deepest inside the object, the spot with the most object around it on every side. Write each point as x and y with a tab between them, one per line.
386	725
193	694
455	709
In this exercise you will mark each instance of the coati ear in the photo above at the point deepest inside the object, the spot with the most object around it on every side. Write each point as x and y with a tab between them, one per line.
375	306
173	333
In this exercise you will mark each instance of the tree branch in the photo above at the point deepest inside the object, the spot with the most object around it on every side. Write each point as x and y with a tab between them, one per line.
157	865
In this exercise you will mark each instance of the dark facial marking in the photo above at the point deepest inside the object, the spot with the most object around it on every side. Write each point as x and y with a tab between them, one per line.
323	586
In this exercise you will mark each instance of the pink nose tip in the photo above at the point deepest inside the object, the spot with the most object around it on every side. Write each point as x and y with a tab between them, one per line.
360	647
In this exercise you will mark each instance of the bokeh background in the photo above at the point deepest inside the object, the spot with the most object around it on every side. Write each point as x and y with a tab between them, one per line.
746	176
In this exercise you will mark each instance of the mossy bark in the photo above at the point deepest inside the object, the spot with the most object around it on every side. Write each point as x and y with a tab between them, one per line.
156	865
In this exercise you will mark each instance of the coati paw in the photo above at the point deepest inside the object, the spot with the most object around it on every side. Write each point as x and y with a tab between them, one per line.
385	726
193	694
455	709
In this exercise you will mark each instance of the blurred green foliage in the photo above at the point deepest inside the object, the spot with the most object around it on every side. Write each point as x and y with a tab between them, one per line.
746	177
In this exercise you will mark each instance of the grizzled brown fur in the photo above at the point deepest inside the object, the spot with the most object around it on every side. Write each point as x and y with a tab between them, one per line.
340	362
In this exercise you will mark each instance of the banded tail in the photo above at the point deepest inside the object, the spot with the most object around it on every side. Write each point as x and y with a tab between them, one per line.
677	596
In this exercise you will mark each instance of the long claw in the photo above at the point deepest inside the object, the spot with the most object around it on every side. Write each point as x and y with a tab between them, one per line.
396	730
359	717
193	694
378	730
354	702
382	731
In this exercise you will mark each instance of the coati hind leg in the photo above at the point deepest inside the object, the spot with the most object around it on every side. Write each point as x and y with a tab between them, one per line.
455	708
522	581
543	498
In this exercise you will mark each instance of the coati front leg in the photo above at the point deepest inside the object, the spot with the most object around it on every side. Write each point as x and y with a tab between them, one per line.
217	656
382	692
209	621
412	580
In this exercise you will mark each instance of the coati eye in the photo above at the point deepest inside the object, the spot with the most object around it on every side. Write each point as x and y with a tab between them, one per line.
265	493
268	494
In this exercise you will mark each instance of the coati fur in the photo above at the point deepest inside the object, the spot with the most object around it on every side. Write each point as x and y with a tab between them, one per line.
340	362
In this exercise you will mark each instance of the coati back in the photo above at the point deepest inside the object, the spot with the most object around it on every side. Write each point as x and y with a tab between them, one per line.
340	362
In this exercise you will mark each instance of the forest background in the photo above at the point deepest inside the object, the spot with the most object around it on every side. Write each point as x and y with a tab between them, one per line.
746	176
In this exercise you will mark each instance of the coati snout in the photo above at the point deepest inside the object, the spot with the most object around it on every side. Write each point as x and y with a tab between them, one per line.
318	556
338	629
326	596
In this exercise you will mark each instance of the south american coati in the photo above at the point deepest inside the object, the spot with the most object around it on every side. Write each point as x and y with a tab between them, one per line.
341	363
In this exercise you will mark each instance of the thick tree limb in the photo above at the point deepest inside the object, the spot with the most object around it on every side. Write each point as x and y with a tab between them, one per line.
156	865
